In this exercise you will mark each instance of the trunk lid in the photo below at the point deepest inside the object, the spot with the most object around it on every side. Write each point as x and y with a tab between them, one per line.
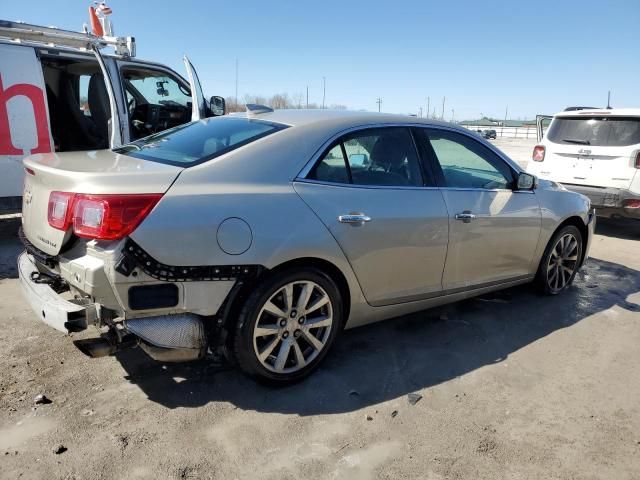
94	172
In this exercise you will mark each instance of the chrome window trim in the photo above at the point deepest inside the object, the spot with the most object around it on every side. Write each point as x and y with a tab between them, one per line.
463	131
369	187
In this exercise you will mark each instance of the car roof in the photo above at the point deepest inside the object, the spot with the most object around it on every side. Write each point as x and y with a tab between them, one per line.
303	117
613	112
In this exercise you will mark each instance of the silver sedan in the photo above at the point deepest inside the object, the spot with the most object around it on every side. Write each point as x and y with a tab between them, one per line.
263	235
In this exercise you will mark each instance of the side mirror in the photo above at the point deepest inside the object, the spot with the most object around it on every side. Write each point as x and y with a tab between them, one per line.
359	160
526	181
218	106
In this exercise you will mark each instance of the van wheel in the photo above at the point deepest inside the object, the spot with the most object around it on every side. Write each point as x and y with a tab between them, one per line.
560	261
288	325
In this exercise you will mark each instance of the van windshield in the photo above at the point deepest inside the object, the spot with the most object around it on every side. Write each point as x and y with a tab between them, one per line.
197	142
598	131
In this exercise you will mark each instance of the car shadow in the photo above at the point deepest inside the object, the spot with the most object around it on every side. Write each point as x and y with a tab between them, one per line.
622	228
390	359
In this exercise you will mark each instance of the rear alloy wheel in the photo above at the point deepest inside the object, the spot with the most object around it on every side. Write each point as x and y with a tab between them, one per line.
561	261
288	325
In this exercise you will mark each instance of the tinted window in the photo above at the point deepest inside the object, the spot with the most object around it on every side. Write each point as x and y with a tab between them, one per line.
466	163
197	142
599	131
382	156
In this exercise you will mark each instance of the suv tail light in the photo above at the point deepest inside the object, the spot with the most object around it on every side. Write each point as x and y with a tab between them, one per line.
538	153
637	163
632	203
101	217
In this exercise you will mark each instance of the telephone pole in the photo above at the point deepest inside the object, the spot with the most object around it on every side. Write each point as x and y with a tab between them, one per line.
324	90
443	100
428	106
379	102
236	83
420	112
307	97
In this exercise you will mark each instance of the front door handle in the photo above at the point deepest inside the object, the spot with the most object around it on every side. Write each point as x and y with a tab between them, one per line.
354	219
465	216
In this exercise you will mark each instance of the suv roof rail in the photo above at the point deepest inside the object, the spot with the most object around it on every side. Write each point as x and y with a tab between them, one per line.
573	109
18	31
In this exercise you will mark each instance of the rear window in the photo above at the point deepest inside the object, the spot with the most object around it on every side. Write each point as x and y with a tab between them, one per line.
197	142
599	131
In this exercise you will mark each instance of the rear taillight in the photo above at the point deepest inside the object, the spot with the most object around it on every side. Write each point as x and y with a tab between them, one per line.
104	217
637	163
60	210
538	153
632	203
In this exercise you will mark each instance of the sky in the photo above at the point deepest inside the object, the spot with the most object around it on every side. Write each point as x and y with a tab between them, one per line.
530	57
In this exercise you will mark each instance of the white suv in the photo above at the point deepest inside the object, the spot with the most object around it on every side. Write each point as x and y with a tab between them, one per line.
595	152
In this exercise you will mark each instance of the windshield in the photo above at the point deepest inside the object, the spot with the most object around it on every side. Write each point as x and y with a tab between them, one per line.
598	131
197	142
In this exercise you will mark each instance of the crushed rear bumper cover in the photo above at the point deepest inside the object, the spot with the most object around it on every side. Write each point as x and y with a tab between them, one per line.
610	202
51	308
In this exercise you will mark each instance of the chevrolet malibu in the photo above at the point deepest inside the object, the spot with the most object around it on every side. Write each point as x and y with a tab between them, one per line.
264	235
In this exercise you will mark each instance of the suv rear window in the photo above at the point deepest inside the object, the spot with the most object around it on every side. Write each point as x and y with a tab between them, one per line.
599	131
197	142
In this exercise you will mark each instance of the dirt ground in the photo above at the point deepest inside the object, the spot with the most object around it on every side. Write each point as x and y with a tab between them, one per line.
513	385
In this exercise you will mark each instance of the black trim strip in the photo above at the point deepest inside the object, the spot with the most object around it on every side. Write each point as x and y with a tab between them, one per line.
49	260
134	256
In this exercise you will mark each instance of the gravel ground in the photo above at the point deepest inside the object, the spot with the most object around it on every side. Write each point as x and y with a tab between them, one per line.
512	386
518	149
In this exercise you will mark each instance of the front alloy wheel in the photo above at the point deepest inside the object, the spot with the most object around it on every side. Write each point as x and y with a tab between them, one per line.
561	260
287	325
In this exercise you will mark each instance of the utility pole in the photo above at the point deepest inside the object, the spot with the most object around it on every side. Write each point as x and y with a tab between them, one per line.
324	90
453	114
420	112
428	106
443	100
307	97
236	83
506	111
379	102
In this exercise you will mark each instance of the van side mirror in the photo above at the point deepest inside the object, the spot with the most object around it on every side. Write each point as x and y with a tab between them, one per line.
526	181
218	106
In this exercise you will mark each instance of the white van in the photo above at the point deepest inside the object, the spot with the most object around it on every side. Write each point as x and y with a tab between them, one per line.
595	152
59	93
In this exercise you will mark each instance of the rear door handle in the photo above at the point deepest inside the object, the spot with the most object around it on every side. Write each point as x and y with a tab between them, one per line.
465	216
354	219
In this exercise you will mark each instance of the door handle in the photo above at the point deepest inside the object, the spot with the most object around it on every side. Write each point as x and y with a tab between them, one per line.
354	219
465	216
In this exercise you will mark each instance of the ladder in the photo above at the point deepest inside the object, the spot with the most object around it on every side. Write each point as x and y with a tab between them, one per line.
19	32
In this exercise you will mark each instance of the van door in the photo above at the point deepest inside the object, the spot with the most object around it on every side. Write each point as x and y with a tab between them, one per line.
24	119
199	104
116	134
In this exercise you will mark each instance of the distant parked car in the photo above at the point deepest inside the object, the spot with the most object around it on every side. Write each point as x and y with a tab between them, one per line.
264	236
489	134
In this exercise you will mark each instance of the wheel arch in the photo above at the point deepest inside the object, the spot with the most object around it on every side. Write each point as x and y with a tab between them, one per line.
234	303
577	222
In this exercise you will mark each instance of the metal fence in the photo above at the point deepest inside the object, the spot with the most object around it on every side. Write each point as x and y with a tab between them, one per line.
507	132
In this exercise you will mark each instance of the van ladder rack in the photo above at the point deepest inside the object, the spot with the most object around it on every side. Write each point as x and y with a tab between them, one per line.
18	31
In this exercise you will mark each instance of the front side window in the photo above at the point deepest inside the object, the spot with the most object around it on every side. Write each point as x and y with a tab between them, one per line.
197	142
381	156
466	163
155	100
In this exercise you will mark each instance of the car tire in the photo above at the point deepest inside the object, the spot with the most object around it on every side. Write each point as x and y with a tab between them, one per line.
282	335
560	262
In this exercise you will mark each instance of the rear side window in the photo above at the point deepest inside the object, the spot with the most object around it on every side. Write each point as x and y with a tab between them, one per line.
597	131
381	156
197	142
